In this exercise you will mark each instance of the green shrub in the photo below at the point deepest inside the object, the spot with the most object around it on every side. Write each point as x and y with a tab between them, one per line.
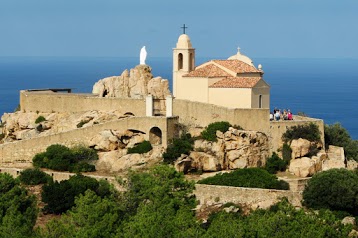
60	196
34	177
250	177
61	158
18	209
275	163
286	153
334	189
2	136
337	135
210	132
40	119
140	148
81	167
182	145
309	132
82	153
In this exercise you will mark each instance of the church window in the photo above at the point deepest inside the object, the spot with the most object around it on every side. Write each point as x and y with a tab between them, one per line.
180	61
191	62
260	101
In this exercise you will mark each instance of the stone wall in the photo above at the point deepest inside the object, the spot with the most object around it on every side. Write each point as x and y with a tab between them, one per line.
21	153
59	176
252	197
47	101
189	112
278	128
202	114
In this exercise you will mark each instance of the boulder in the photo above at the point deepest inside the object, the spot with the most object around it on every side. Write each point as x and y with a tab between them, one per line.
183	164
336	158
104	141
300	148
349	220
26	134
205	162
305	167
119	160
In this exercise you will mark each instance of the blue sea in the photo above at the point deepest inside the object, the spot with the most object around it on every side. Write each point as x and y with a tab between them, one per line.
321	88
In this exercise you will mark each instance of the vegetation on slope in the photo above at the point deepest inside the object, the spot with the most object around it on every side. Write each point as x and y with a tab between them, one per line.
308	131
62	158
250	177
17	209
275	164
34	177
60	196
141	148
334	189
157	203
210	132
182	145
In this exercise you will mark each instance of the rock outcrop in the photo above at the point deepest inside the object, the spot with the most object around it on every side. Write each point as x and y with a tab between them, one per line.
336	158
234	149
113	146
21	125
306	167
136	83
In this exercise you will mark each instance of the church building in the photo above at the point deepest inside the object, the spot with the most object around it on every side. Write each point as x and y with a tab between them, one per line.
233	83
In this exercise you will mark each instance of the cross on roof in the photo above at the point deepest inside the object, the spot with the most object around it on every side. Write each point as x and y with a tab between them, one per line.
184	27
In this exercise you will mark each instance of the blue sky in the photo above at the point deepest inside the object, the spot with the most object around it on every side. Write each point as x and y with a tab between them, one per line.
119	28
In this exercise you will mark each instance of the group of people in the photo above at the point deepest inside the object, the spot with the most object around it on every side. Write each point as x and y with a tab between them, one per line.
278	115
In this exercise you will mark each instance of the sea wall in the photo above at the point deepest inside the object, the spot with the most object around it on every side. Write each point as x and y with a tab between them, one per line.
20	153
252	197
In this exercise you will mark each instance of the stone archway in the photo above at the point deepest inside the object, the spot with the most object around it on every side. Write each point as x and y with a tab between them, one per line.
155	136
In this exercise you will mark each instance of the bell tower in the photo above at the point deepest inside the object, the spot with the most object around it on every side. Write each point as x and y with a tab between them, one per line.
183	60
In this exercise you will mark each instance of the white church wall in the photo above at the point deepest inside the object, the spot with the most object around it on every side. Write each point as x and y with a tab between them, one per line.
230	97
193	89
265	98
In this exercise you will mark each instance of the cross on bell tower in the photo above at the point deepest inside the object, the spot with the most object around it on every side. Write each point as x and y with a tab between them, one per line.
184	27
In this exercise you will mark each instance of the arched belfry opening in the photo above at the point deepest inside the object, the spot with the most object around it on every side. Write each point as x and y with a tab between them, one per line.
155	136
191	62
180	61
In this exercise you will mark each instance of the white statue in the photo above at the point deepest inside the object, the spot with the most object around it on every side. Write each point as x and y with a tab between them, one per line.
143	55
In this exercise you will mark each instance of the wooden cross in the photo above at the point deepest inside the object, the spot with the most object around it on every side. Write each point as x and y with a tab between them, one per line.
184	27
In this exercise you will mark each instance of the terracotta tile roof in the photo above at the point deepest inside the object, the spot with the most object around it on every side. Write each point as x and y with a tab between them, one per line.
236	82
208	71
237	66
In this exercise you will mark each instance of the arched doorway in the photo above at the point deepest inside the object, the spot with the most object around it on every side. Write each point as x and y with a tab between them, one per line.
155	136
